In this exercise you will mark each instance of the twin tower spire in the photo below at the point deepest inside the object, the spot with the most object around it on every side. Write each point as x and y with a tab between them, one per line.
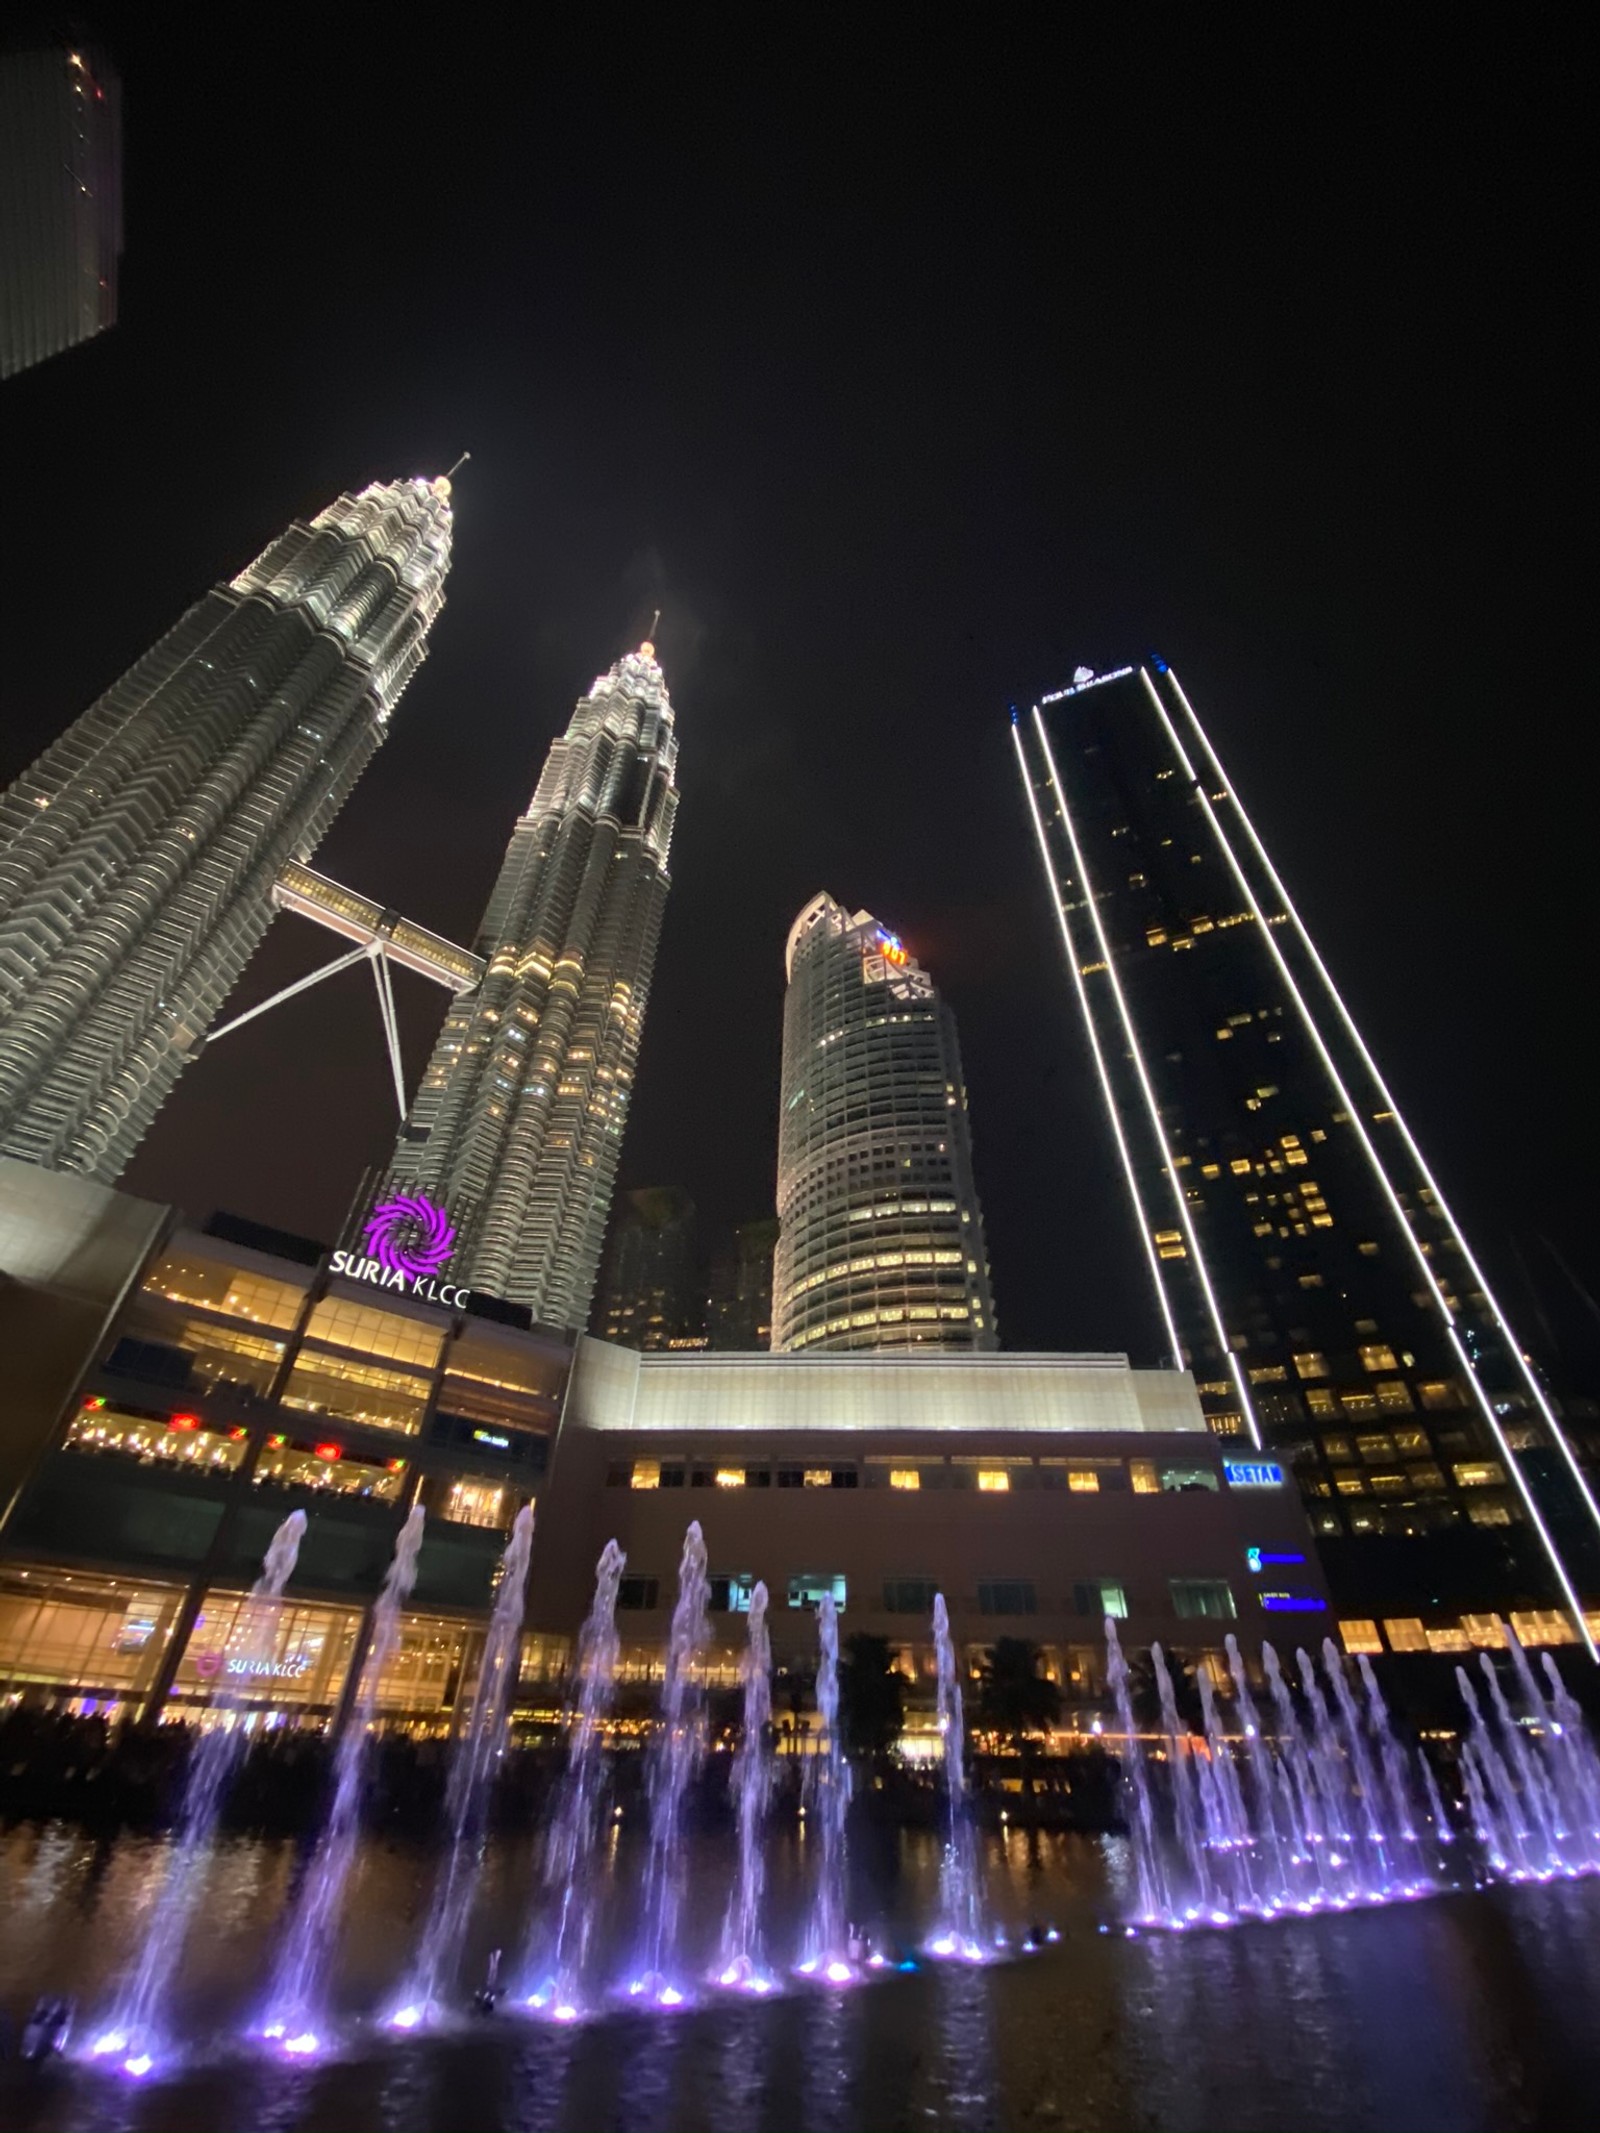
139	857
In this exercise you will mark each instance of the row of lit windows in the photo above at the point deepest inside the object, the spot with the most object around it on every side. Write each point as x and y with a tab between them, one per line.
1146	1477
889	1316
841	1267
1190	1598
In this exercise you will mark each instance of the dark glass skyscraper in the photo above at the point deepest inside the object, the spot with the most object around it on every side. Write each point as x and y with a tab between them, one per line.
1302	1257
652	1293
60	198
518	1123
138	854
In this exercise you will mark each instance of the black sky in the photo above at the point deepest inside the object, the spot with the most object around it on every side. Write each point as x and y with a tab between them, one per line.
907	372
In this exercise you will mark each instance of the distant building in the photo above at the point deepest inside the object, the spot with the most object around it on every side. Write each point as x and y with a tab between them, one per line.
1302	1259
138	854
518	1123
881	1242
60	199
739	1302
651	1295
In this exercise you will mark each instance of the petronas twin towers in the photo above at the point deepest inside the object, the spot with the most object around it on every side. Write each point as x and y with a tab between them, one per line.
139	854
518	1124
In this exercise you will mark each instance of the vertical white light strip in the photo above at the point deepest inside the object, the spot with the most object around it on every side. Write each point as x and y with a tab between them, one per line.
1529	1376
1186	1228
1112	1113
1353	1112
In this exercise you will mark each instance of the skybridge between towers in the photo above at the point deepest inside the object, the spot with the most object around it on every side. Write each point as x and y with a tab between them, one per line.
383	938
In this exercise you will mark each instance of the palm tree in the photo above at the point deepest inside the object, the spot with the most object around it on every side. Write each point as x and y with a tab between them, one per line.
871	1696
1016	1701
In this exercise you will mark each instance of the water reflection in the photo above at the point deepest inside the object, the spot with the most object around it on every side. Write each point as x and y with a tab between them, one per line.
1472	2012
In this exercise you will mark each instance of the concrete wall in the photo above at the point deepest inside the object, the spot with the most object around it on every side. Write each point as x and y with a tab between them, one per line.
70	1250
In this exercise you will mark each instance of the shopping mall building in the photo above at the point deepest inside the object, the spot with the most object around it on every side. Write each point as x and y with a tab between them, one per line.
172	1393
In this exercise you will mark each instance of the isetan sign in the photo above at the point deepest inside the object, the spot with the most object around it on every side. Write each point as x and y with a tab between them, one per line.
409	1245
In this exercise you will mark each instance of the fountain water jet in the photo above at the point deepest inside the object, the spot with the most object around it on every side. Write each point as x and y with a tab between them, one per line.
471	1776
575	1812
134	2030
828	1796
743	1954
960	1898
1155	1900
302	1969
675	1757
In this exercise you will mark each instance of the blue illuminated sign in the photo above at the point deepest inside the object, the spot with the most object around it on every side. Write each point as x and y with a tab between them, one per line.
1292	1603
1257	1557
1253	1473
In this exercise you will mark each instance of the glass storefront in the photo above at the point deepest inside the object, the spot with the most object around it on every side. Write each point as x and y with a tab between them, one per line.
300	1666
99	1640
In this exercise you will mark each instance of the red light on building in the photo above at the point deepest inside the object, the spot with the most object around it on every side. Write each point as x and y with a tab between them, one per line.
184	1422
330	1451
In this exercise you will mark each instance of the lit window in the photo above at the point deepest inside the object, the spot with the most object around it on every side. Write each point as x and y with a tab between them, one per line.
993	1480
1479	1474
1311	1281
646	1474
1146	1481
1360	1636
1439	1396
811	1588
1083	1481
1377	1356
819	1477
1393	1395
1100	1597
730	1477
475	1503
1311	1363
1202	1598
1269	1374
1405	1633
1321	1401
905	1477
1240	1166
1491	1514
1169	1244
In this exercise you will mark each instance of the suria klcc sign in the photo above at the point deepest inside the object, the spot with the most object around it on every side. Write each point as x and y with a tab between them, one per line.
409	1245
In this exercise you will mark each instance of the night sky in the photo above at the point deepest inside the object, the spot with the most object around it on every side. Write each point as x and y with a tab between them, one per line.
906	375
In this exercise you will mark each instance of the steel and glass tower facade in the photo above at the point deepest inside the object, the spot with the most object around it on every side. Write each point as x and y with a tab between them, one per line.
138	854
60	198
881	1237
518	1124
1303	1260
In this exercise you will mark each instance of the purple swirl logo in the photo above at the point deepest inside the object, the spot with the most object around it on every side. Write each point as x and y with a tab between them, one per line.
409	1235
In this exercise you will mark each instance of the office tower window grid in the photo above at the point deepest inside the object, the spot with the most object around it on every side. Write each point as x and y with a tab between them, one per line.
518	1123
138	854
1299	1247
881	1239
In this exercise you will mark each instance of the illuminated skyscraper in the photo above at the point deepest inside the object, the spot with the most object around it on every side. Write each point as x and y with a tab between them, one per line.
518	1123
60	198
138	854
881	1240
1302	1258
